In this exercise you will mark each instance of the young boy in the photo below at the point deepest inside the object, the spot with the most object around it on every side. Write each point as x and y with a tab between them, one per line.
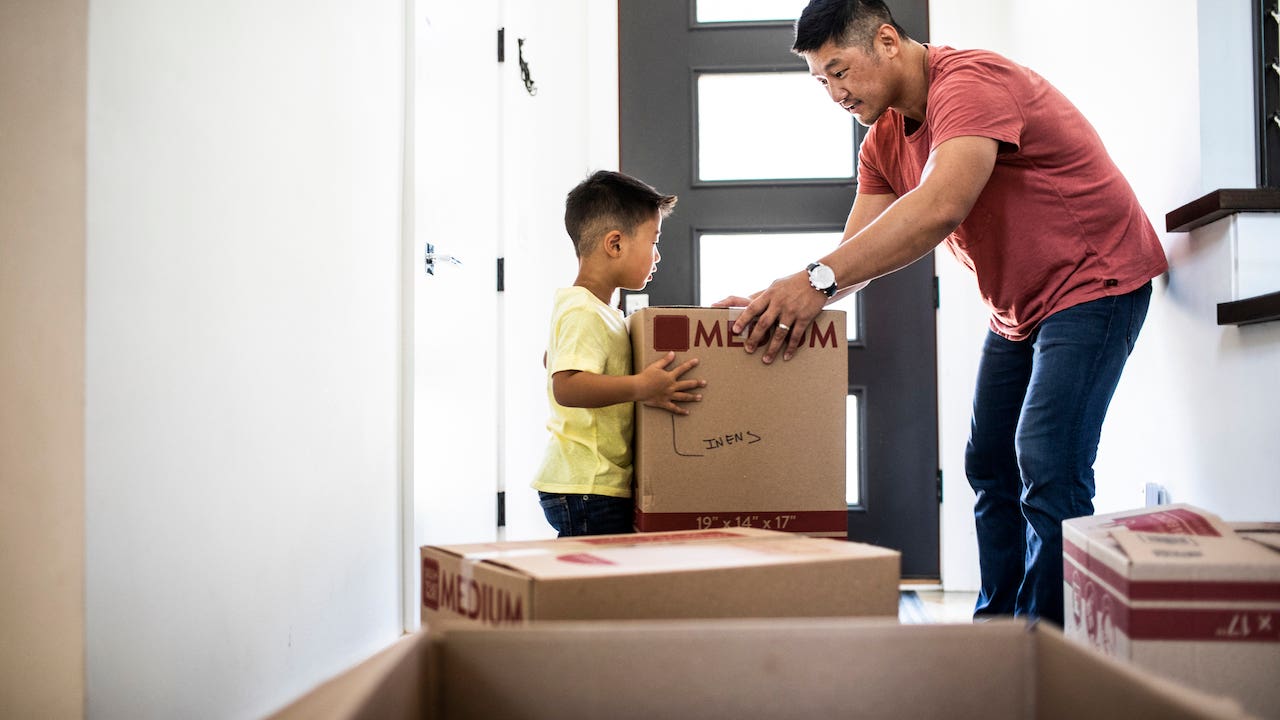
584	484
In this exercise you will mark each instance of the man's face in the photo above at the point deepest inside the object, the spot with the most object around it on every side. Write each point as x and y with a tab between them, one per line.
856	78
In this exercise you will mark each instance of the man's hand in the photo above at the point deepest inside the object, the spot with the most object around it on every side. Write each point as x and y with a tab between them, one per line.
782	312
658	387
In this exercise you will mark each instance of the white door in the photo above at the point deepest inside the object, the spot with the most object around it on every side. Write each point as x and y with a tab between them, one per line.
558	123
495	148
455	157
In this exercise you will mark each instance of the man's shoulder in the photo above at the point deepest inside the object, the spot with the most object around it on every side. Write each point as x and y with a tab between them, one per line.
962	70
973	78
947	58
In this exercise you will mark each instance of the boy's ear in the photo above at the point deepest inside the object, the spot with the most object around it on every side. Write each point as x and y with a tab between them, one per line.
613	243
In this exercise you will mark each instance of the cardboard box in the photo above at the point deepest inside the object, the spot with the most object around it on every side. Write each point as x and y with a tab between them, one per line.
764	448
1176	590
743	572
732	669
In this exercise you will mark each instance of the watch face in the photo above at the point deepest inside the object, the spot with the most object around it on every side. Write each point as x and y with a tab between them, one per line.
822	277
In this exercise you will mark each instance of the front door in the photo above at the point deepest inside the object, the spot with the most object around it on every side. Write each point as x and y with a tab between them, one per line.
716	109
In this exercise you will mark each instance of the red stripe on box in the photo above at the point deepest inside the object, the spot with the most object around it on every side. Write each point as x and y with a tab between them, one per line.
632	539
1179	590
1178	521
1099	612
801	521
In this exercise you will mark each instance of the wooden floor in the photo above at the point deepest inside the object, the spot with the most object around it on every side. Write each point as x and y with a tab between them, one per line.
932	605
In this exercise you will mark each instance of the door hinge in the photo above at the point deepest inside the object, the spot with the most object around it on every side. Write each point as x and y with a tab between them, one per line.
502	508
502	44
502	275
939	486
937	292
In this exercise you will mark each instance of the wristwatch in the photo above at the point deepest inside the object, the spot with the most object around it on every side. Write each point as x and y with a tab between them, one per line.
822	278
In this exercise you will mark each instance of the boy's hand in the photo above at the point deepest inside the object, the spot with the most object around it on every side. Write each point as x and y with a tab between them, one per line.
661	388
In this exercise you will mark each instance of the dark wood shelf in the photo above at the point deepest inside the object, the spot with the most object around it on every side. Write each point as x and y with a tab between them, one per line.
1219	204
1215	206
1258	309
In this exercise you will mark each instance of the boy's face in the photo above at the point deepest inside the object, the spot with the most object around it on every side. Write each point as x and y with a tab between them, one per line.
640	254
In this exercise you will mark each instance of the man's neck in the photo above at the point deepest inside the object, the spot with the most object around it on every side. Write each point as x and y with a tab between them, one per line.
915	84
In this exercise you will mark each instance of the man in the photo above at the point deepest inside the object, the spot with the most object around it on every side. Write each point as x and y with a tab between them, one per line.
967	148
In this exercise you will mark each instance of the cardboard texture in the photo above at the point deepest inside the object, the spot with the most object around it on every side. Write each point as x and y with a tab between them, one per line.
794	668
1175	589
764	448
741	572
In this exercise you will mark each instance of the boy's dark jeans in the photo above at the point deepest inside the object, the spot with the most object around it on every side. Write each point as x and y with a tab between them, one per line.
573	515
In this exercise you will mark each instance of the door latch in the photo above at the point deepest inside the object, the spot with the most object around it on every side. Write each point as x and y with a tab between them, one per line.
431	256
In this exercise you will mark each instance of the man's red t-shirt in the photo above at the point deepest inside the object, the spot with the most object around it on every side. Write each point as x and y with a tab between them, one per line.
1056	225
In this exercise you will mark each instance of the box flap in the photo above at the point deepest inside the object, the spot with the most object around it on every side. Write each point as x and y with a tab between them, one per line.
815	668
1263	533
1111	688
1196	557
736	668
391	685
1178	519
645	553
497	552
1090	541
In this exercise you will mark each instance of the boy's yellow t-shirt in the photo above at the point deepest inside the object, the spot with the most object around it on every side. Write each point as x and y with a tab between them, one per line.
590	448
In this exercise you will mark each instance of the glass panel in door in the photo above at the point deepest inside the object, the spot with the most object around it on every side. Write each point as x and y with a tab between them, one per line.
769	126
717	11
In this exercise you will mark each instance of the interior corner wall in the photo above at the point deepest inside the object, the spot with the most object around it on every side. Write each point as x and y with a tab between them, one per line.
42	353
242	491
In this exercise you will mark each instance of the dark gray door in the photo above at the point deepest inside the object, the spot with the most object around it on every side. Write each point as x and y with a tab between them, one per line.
667	59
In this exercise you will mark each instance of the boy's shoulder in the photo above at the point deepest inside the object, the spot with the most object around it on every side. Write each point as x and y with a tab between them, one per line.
578	307
572	298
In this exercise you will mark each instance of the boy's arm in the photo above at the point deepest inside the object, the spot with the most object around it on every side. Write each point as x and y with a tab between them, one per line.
654	386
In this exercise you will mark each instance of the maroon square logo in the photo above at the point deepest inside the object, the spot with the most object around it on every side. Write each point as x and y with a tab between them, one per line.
671	332
430	584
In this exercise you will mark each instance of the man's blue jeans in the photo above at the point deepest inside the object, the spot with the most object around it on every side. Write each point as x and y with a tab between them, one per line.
1037	416
573	515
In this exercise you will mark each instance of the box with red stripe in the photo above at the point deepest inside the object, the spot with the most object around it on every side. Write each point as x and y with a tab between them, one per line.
1175	589
766	446
739	572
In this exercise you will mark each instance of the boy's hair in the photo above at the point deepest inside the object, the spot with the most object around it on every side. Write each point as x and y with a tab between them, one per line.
849	23
607	201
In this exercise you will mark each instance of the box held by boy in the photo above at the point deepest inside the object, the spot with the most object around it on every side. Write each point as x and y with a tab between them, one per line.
764	448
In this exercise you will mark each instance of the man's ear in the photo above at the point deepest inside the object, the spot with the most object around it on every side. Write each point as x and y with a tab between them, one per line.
889	40
613	243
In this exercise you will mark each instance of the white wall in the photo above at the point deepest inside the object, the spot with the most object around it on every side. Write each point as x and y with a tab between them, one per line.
243	255
1195	410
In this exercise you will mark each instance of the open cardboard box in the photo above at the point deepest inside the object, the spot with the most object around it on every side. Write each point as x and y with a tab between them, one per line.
765	447
739	572
1176	590
795	668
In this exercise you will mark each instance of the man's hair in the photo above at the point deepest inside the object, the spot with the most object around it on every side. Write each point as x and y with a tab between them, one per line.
849	23
608	201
